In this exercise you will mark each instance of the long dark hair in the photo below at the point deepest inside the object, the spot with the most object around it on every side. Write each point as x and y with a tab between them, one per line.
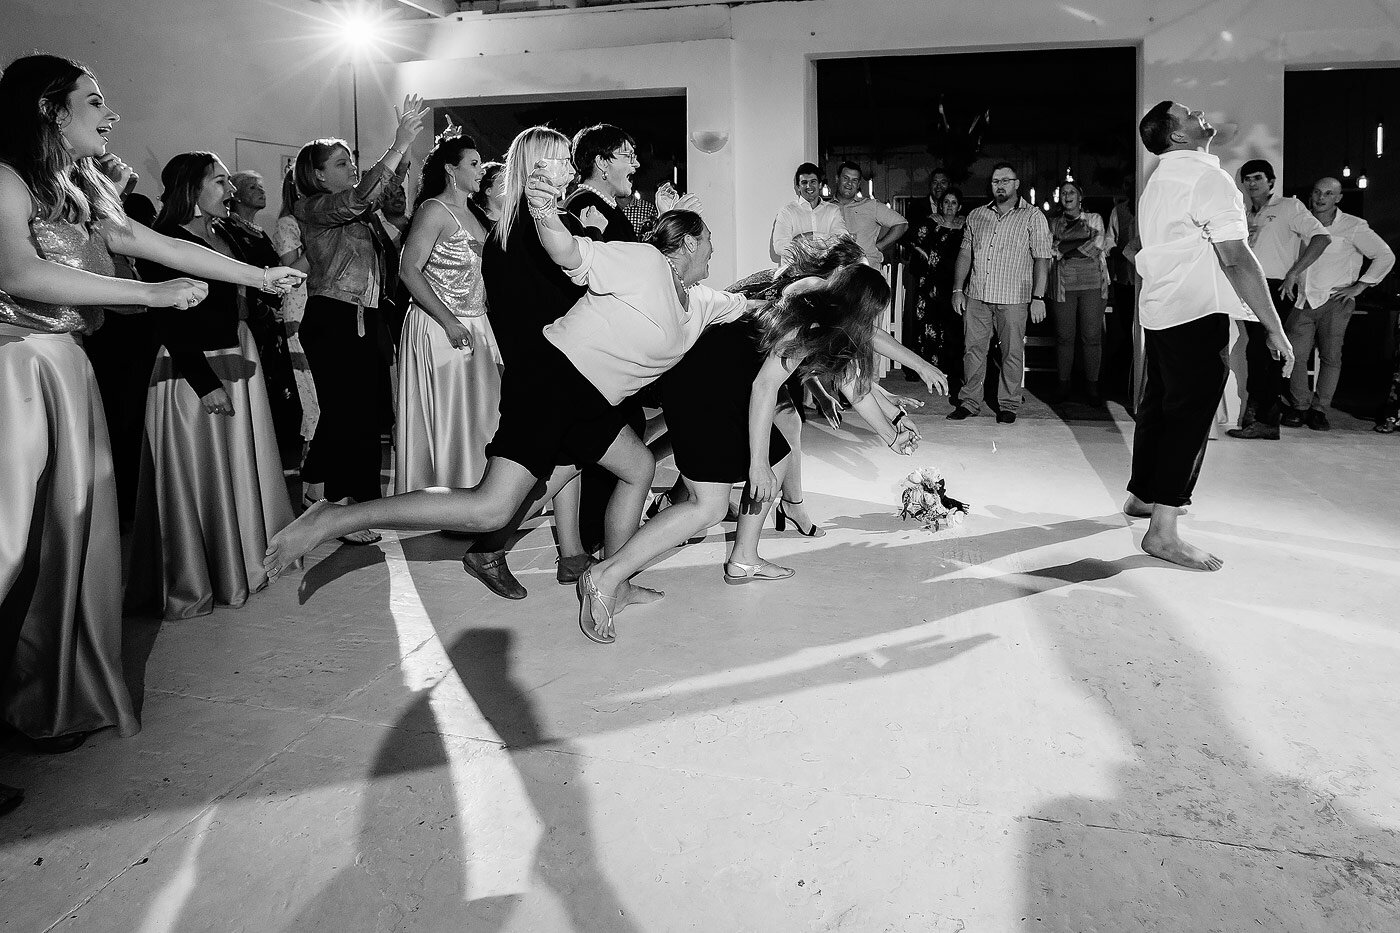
447	150
289	192
829	329
182	177
34	94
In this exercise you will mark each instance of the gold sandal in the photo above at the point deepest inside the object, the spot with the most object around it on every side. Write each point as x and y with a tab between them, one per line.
588	591
755	573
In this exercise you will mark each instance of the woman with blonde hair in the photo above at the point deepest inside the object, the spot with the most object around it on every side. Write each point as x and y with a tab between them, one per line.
1079	287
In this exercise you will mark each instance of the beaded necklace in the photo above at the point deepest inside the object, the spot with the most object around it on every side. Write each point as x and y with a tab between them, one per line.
609	200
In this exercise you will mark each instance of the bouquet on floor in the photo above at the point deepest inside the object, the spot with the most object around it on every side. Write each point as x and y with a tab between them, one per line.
924	497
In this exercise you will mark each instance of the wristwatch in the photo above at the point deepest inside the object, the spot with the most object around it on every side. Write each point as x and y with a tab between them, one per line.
1037	298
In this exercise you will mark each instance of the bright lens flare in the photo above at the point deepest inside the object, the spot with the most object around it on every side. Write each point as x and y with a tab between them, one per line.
360	29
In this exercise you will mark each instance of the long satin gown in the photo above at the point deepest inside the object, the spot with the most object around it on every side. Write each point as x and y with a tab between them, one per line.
60	558
448	400
211	493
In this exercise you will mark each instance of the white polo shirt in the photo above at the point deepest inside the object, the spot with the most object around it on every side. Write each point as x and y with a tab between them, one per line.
1189	204
798	217
1278	231
1340	264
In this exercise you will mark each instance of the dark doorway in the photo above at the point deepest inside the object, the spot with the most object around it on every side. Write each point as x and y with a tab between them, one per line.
1044	111
1330	121
656	122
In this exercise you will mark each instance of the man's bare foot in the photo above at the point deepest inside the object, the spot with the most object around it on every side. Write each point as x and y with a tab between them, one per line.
1136	508
292	543
630	594
1177	551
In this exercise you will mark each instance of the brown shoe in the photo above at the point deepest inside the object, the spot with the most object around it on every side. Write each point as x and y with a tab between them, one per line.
490	568
571	568
1257	430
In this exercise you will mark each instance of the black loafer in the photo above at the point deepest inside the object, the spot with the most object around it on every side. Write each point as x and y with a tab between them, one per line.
1255	431
1291	418
490	568
1317	420
958	414
1006	417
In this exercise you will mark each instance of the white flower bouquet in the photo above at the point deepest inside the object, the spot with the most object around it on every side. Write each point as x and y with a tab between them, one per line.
924	498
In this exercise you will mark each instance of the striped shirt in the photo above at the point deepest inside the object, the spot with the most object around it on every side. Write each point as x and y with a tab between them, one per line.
1004	248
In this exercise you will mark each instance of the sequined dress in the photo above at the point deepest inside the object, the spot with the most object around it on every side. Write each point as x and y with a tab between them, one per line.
60	560
448	399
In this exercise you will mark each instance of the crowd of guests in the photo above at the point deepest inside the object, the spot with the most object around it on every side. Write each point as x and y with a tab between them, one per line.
522	317
978	279
509	331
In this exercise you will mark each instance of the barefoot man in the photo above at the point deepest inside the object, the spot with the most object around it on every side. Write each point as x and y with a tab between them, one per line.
1197	272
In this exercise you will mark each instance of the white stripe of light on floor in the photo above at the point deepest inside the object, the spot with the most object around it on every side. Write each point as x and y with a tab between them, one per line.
499	828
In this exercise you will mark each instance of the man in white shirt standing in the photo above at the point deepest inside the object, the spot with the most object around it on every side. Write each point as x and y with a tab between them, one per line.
808	214
873	225
1197	272
1327	300
1286	239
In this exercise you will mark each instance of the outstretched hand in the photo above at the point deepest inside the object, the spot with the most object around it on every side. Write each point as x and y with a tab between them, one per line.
934	379
539	193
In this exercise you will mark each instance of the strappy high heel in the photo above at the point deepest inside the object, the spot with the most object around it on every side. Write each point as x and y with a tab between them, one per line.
588	591
781	518
762	572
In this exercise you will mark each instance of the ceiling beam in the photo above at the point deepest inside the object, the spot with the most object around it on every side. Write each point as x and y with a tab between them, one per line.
441	9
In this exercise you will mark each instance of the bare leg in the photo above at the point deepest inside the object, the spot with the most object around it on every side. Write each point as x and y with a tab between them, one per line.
750	528
566	510
704	506
630	461
485	507
1164	541
790	426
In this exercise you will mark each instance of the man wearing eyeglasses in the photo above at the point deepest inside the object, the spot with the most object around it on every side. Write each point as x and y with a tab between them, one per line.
999	281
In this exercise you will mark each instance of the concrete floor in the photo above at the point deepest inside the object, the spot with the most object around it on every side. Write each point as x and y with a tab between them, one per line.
1023	724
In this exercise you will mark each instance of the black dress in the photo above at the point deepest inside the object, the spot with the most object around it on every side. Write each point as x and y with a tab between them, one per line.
706	400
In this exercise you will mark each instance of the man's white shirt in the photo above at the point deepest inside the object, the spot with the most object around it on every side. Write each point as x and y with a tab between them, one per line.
1189	204
1340	264
799	217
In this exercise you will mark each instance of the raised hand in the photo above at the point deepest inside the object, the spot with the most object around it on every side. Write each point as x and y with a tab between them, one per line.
121	174
410	121
690	202
176	293
592	217
538	191
666	198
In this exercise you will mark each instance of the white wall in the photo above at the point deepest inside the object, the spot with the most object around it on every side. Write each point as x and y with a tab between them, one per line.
193	74
196	73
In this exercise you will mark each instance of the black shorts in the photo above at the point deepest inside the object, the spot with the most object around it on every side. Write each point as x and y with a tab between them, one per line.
706	400
551	415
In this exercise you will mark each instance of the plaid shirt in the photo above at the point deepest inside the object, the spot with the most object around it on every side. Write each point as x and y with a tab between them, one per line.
1003	249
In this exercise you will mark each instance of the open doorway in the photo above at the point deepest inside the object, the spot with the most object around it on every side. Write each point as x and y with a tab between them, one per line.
1052	114
1336	124
656	121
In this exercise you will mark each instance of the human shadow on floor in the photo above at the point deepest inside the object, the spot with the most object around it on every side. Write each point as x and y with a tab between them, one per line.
408	872
1196	833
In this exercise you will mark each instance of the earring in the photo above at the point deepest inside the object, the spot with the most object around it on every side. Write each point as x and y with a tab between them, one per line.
197	211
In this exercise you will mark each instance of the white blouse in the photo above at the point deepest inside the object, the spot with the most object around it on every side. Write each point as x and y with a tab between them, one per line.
630	327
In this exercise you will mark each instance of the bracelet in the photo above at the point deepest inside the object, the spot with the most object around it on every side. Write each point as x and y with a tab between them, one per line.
894	422
265	286
543	213
957	291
